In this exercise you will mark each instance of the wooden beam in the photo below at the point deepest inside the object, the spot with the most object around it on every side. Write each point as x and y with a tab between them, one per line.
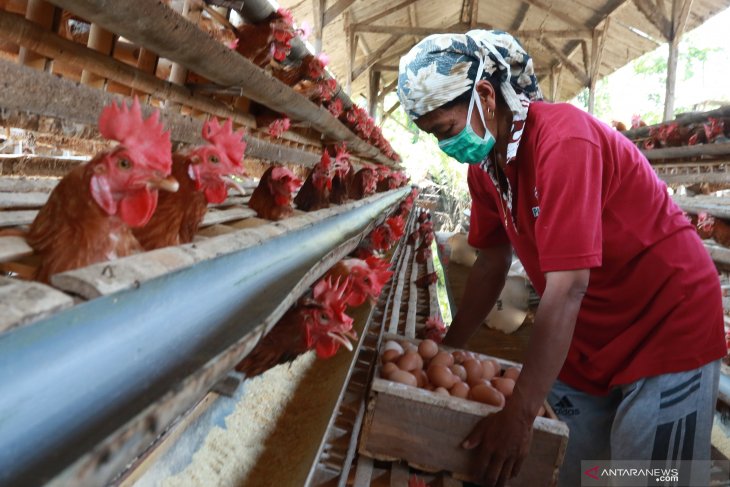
335	10
179	73
374	57
373	96
474	14
387	88
391	110
350	49
654	15
598	45
387	11
405	30
318	13
385	67
102	41
581	75
586	55
555	72
41	13
680	12
519	21
426	31
568	19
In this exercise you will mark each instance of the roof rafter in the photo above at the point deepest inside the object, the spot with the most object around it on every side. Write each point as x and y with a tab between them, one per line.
374	57
649	10
568	19
388	11
335	10
567	62
426	31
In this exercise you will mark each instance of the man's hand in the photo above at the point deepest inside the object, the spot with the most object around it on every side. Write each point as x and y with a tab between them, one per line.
503	439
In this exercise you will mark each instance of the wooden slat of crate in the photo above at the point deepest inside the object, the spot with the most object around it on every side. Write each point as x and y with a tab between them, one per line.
22	200
17	218
404	422
27	185
22	302
12	248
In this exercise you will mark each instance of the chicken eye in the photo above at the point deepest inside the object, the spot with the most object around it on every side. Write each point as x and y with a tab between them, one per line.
213	159
124	163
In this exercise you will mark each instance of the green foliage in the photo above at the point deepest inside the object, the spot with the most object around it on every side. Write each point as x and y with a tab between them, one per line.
441	285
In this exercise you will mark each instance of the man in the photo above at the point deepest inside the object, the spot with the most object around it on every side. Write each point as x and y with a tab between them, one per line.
629	331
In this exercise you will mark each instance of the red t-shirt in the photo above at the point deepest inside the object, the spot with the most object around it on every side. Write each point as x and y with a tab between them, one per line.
585	197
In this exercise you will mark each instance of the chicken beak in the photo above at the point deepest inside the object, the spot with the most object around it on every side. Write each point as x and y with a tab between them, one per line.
233	184
167	184
340	339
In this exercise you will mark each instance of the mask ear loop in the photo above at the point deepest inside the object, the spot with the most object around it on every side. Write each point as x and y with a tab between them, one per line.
475	99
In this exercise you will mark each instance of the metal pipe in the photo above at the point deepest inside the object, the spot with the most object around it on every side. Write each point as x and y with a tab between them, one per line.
74	379
156	26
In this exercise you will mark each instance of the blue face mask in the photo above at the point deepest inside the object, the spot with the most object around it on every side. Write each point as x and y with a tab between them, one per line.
466	146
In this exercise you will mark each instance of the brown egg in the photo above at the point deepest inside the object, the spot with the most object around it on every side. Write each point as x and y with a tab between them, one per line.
542	412
428	349
473	370
393	345
512	373
460	389
458	371
503	385
459	357
421	378
488	370
410	347
387	369
390	356
403	377
497	367
487	395
441	376
441	391
442	358
410	361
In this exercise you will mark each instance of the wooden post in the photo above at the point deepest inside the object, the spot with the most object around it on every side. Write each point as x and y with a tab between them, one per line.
598	44
555	72
41	13
102	41
680	12
474	14
373	98
318	9
350	48
146	62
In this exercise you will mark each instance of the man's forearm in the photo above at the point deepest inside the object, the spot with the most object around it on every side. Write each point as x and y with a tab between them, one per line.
483	287
548	347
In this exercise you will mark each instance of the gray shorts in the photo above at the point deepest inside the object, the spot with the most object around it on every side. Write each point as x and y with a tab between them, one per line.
662	418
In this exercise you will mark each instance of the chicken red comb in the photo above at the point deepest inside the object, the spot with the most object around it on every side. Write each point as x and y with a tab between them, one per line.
334	295
226	140
279	126
285	15
435	329
397	225
380	269
380	237
147	139
282	173
335	108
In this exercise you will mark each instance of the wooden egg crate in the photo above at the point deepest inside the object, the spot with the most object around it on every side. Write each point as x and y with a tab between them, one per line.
426	430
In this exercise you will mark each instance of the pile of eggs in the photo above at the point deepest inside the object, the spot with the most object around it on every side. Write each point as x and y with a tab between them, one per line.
458	374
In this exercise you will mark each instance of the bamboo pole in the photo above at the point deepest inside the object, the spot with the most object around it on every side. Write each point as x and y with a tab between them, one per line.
102	41
41	13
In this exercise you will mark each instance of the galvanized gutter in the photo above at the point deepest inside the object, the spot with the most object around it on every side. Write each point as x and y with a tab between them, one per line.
71	381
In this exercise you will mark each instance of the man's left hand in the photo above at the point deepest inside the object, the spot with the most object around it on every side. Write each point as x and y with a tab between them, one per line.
503	439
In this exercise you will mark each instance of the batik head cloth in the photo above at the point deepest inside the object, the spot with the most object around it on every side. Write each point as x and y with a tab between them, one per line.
443	66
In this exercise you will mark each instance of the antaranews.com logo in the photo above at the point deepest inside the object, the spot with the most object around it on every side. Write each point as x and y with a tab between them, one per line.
640	473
